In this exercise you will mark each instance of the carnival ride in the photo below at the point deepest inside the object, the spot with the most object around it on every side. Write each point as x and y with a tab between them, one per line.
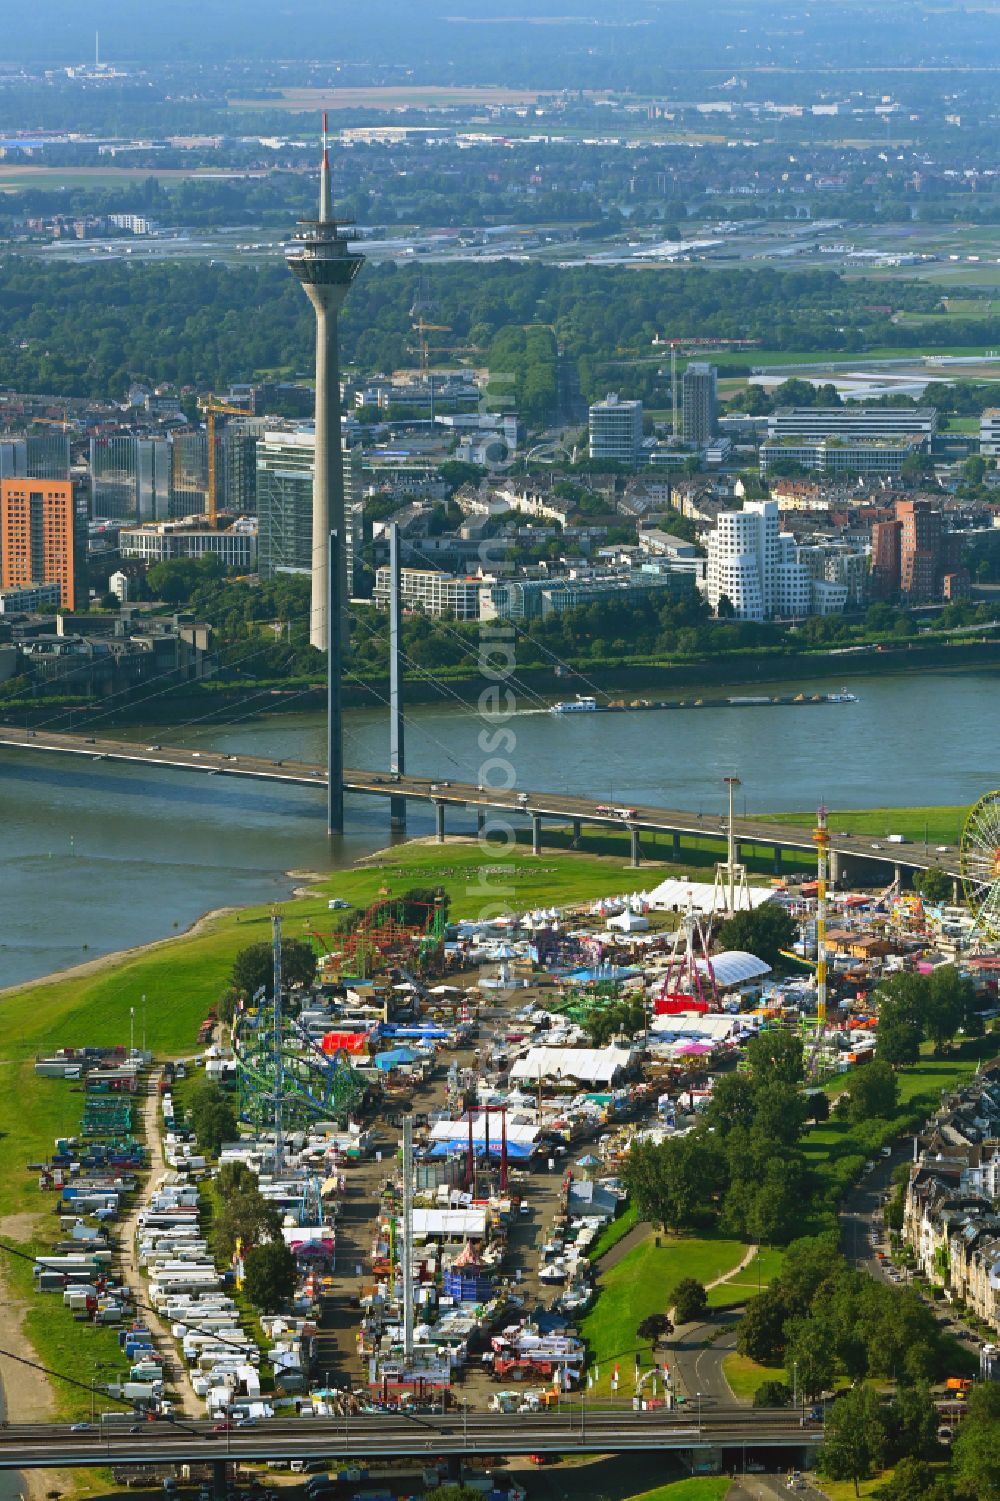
980	866
979	854
392	931
286	1080
278	1052
689	983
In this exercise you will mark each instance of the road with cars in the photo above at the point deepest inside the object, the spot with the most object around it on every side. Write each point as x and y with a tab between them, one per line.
580	1429
444	794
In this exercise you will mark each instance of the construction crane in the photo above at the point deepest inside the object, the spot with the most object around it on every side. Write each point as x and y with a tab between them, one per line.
422	328
213	409
62	422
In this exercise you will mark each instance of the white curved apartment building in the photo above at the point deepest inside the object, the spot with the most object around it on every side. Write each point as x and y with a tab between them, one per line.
743	556
757	568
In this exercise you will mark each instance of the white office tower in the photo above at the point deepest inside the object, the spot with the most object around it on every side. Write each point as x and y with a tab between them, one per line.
615	428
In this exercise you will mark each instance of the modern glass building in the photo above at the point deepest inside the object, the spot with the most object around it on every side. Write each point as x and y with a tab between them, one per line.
130	478
284	503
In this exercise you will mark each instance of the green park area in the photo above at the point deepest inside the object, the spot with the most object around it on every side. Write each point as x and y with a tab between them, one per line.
694	1488
749	1281
937	825
640	1284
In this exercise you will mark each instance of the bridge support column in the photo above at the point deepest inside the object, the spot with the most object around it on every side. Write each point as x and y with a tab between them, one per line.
536	834
897	876
954	890
738	851
577	829
439	821
635	853
777	859
833	867
675	846
219	1486
397	815
480	820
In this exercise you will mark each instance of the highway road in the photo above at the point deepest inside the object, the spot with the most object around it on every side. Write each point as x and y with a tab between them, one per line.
579	1429
443	794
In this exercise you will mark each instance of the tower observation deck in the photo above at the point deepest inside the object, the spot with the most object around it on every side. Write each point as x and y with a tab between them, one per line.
322	258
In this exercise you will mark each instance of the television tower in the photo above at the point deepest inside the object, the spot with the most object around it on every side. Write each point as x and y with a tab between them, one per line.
322	260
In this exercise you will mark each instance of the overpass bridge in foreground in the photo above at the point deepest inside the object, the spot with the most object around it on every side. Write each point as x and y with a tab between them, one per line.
494	807
579	1429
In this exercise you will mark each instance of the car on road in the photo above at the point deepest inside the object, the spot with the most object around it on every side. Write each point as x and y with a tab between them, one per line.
154	747
82	1428
224	1427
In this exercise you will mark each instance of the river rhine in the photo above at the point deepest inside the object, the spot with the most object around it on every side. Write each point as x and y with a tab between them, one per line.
99	857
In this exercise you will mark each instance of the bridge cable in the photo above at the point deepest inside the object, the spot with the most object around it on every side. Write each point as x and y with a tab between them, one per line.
119	693
554	656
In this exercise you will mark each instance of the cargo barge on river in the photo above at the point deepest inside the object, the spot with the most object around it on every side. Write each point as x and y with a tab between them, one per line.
585	704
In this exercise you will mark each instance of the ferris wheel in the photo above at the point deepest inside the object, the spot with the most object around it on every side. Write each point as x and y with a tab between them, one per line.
981	865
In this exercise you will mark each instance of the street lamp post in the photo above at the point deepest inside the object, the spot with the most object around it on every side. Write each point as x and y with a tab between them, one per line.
699	1414
795	1383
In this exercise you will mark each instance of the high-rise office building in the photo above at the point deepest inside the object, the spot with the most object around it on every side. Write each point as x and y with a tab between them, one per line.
238	456
615	429
886	559
321	258
285	492
35	456
701	403
39	536
921	551
189	473
130	478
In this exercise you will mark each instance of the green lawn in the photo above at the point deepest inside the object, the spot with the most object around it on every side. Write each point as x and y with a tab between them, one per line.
613	1233
746	1284
639	1285
843	1490
81	1353
942	825
745	1375
694	1488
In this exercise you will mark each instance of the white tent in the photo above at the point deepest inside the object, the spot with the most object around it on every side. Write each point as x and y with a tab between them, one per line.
456	1224
585	1065
673	895
628	922
694	1026
735	967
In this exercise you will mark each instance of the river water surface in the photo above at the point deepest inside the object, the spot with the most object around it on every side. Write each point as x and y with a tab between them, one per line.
99	856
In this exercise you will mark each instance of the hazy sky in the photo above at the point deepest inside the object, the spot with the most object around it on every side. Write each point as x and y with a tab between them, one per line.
452	36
